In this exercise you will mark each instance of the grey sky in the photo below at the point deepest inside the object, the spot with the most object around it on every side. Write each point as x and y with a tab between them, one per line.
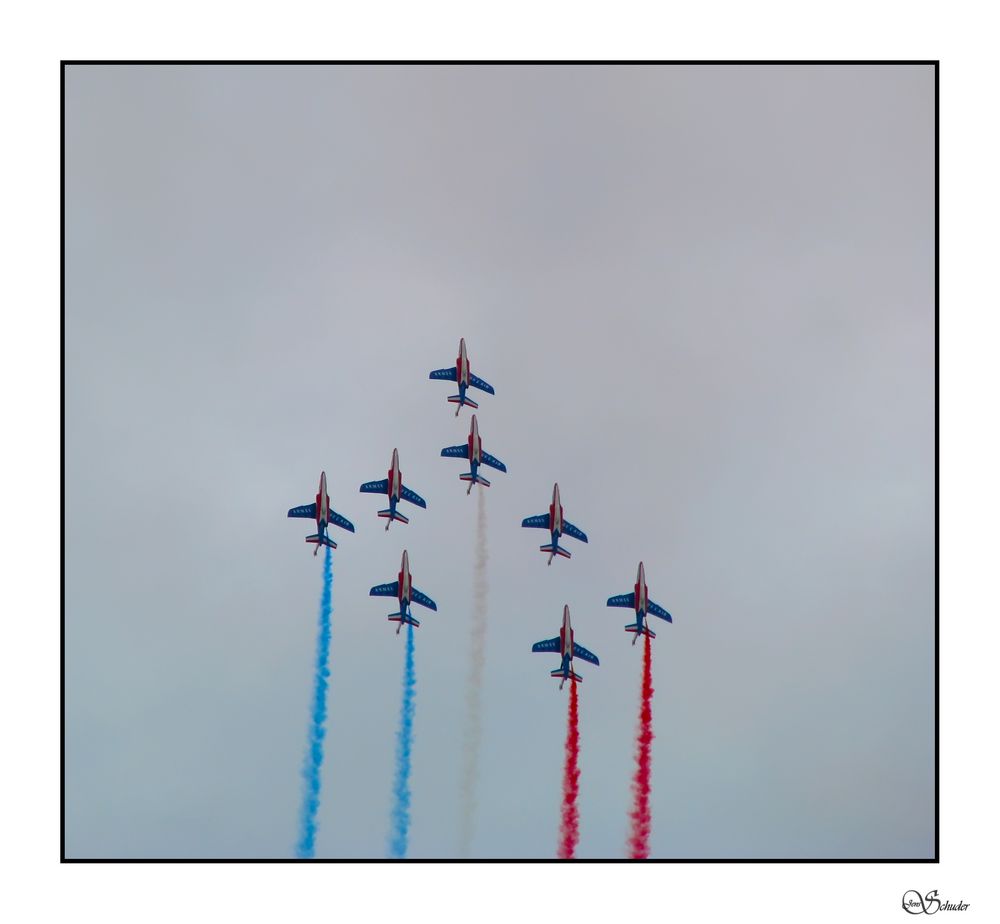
705	298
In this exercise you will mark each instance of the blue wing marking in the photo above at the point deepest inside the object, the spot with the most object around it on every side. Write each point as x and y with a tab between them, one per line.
375	487
493	462
539	522
340	521
570	530
658	610
549	644
385	590
457	452
448	374
477	382
580	652
418	596
305	512
627	600
413	497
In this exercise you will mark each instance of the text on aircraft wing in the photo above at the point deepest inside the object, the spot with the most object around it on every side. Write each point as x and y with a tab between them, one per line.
375	487
418	596
580	652
306	512
457	452
341	521
477	382
493	462
539	522
623	600
549	644
413	497
448	374
658	610
570	530
385	590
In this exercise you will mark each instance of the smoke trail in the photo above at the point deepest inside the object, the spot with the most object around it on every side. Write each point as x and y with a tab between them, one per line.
569	829
638	842
317	726
404	742
474	686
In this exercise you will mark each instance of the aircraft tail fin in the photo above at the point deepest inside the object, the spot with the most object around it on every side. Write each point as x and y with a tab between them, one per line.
573	675
554	549
391	515
317	540
634	627
403	619
459	400
474	479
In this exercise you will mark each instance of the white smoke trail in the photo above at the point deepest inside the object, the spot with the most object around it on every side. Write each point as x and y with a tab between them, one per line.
473	732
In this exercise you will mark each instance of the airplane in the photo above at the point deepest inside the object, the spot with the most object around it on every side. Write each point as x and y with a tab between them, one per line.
564	644
324	515
393	486
402	588
553	521
472	450
460	373
639	600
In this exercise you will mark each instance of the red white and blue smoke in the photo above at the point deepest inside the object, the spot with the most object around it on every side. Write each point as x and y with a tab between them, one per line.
400	817
638	842
569	827
306	846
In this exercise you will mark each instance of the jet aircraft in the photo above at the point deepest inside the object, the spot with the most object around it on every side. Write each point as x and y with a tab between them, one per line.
568	649
553	521
394	487
324	516
472	450
404	591
460	373
643	606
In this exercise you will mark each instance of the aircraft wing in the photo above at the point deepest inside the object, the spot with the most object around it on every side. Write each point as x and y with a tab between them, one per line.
448	374
658	610
413	497
418	596
493	462
385	590
626	600
580	652
456	452
375	487
305	512
539	522
549	644
340	521
477	382
570	530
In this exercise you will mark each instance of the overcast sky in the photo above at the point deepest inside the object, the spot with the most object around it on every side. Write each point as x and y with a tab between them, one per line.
704	296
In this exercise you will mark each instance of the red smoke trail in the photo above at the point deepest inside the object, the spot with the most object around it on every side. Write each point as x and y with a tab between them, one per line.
638	842
569	830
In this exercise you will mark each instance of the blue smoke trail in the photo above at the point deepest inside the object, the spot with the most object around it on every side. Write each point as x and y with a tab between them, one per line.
404	742
317	726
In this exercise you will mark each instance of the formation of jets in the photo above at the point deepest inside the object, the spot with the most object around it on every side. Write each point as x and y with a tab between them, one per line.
554	521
